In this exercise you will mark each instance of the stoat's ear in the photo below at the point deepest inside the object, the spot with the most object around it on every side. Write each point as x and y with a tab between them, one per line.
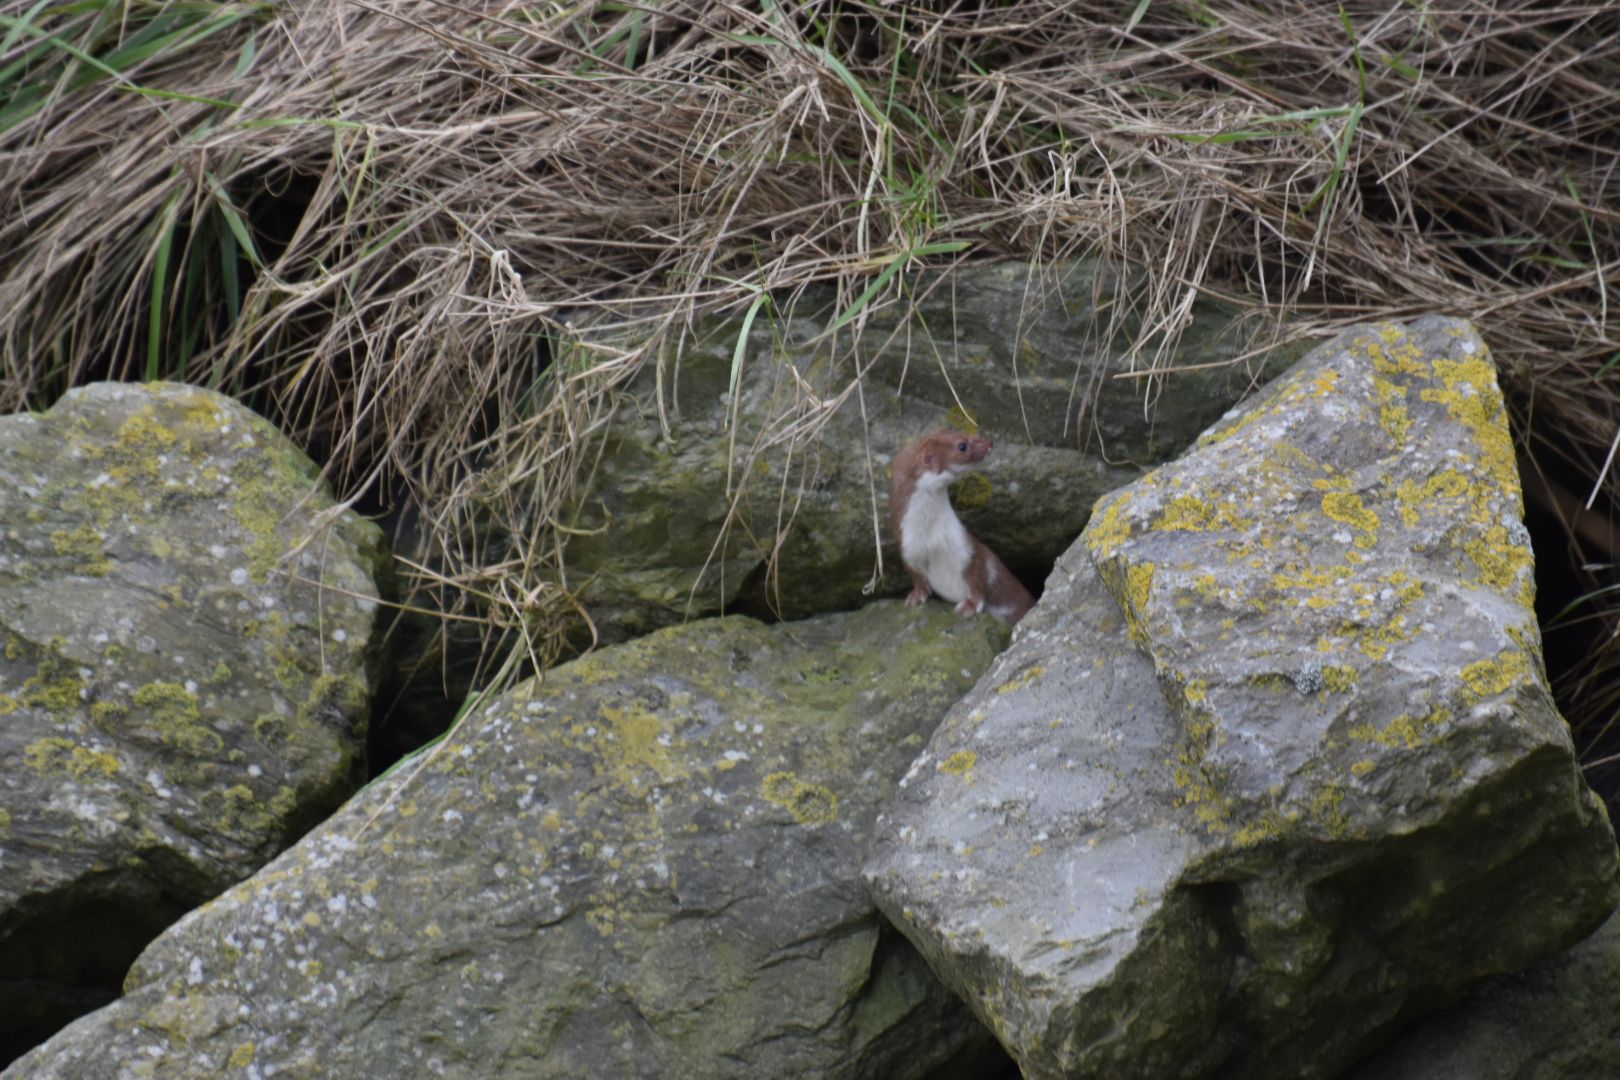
930	460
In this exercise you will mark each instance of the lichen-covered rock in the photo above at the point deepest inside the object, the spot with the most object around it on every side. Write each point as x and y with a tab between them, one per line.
659	538
179	695
1558	1021
1274	767
645	865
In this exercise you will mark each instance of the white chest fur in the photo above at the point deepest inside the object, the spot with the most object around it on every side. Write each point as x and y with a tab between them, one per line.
934	542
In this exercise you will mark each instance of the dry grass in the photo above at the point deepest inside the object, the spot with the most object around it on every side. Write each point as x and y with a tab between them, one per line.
432	188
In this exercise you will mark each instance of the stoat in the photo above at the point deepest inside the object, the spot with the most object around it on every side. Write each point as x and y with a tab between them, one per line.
935	547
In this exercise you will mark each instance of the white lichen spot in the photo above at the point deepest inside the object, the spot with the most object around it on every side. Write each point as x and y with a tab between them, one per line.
239	576
736	755
338	904
218	551
194	972
452	816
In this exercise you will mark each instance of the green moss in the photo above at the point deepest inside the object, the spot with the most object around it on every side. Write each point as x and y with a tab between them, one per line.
269	728
824	675
1327	810
221	673
178	721
55	686
346	692
106	715
84	546
64	755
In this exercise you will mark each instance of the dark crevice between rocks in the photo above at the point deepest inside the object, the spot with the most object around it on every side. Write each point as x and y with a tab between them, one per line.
65	954
1572	564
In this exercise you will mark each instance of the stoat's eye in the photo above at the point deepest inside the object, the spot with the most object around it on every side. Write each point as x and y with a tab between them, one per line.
961	447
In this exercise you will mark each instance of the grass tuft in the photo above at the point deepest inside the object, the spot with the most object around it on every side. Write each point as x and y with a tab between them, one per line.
374	220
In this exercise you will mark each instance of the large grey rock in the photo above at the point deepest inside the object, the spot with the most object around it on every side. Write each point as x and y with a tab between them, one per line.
1273	767
645	865
183	687
1560	1020
776	498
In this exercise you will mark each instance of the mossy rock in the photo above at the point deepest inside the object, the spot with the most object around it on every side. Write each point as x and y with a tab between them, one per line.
186	633
645	864
1274	767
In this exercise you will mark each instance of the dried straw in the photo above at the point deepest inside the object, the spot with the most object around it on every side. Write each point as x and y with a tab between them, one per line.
435	186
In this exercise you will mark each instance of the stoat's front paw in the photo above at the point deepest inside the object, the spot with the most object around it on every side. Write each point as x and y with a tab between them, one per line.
970	606
919	596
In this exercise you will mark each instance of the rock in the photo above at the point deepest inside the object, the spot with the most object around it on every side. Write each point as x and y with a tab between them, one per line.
645	865
657	537
1559	1020
1273	768
176	709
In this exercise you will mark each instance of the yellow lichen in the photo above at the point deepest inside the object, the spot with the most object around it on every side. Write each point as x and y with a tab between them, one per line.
1488	678
960	764
1346	507
1022	679
1110	528
810	804
973	490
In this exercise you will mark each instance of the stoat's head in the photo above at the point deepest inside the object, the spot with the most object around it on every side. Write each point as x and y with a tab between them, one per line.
945	455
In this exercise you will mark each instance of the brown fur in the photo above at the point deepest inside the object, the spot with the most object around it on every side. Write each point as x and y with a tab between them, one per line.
945	558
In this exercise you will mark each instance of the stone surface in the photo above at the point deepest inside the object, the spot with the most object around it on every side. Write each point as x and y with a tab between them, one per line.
704	500
1557	1021
1273	768
178	698
646	865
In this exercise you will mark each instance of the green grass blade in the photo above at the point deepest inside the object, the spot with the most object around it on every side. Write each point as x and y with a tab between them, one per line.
234	220
26	20
741	348
1355	51
230	277
1136	16
896	263
160	276
250	51
1330	187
